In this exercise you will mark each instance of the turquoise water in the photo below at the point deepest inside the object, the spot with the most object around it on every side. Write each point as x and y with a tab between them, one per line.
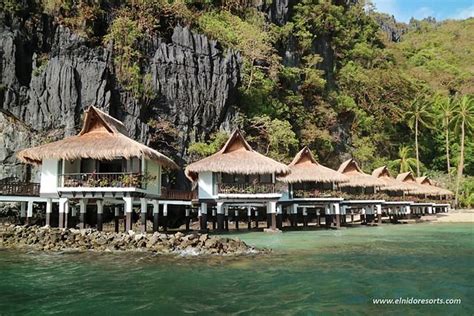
308	273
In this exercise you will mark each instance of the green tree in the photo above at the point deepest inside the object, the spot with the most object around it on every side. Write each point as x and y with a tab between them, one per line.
464	120
445	107
418	115
405	161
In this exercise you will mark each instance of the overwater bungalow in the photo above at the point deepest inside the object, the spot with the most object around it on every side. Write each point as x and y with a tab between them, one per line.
361	189
418	193
236	177
101	165
396	202
311	185
442	196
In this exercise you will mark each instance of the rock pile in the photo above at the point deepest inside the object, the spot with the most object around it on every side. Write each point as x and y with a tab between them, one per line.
55	239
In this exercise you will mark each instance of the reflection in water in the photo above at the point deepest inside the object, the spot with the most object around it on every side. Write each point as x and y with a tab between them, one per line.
307	273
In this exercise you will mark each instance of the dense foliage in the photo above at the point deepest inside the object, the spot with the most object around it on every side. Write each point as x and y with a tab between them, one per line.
329	78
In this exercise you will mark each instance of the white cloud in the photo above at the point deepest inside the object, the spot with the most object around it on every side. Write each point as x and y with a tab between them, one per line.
464	13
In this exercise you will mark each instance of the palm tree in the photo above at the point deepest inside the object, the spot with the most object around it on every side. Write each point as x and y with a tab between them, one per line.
464	120
405	161
445	107
418	115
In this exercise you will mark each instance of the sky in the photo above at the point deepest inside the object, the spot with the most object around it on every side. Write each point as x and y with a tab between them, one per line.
403	10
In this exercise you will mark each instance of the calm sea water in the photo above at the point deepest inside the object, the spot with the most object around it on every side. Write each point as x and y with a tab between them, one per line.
308	273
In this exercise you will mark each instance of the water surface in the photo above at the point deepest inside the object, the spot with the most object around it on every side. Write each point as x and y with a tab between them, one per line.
308	273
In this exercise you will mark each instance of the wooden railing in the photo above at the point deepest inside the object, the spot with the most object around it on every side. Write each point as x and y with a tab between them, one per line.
113	180
19	188
245	188
313	194
172	194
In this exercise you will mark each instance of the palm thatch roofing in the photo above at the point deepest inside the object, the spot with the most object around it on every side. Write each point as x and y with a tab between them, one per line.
102	137
357	178
391	184
417	189
236	157
425	181
304	168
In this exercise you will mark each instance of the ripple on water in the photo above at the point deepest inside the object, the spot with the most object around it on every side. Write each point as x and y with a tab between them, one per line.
307	273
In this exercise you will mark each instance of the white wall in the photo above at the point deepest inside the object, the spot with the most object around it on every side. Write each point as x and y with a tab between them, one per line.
49	177
153	169
205	184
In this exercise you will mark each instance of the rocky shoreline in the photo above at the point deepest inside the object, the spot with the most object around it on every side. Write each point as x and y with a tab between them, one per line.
55	239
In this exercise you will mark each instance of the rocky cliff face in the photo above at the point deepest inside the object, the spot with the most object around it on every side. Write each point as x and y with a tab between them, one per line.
49	75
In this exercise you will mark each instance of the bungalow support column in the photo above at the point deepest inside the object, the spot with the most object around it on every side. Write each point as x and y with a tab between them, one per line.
203	216
73	215
318	217
214	219
337	210
256	218
249	217
49	210
128	213
327	216
100	213
165	217
379	213
294	215
22	211
226	217
29	212
408	211
143	209
156	214
116	218
236	215
187	217
305	216
82	213
220	216
279	216
430	210
62	209
66	215
271	214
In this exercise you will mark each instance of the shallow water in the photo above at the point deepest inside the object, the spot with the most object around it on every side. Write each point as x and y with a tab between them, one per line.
308	273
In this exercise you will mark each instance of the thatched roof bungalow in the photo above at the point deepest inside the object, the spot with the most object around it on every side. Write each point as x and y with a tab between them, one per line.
391	184
102	137
304	168
357	178
427	182
417	189
236	157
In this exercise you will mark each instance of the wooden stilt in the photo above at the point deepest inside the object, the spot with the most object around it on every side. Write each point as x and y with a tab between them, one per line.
226	218
100	212
236	218
305	217
220	216
186	218
249	217
62	208
156	214
49	210
143	211
203	222
165	217
116	218
82	213
256	219
128	213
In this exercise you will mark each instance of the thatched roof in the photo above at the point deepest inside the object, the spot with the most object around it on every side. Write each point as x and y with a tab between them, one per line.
357	178
236	157
102	137
418	189
304	168
391	184
425	181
